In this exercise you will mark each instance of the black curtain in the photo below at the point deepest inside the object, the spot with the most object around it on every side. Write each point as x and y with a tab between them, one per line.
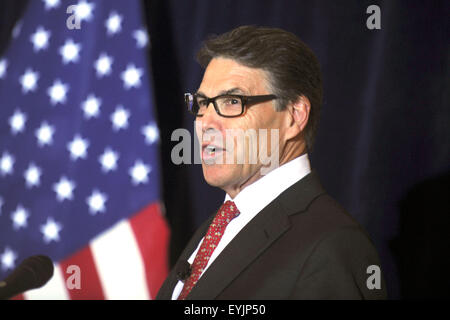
383	145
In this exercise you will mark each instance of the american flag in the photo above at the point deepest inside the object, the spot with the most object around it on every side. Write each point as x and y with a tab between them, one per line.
79	154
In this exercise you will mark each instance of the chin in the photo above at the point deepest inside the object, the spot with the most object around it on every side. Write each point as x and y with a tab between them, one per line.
216	175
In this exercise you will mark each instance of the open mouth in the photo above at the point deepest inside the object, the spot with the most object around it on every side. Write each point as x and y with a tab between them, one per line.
211	152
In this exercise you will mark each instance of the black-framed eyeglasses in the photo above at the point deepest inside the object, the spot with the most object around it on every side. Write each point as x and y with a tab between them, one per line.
226	105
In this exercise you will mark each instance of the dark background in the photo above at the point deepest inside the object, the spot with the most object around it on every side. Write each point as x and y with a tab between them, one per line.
383	145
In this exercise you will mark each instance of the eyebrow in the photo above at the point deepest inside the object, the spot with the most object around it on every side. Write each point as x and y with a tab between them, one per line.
223	92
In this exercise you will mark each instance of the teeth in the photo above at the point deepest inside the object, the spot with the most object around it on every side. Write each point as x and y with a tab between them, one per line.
211	148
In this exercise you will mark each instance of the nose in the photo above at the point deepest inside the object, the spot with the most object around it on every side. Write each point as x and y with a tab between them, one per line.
210	118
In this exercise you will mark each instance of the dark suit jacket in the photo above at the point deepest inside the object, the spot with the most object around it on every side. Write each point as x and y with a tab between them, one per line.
303	245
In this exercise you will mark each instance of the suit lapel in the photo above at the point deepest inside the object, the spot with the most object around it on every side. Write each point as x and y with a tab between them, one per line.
256	237
253	239
166	290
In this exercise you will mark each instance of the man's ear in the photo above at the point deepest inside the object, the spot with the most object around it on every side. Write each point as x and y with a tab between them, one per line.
299	112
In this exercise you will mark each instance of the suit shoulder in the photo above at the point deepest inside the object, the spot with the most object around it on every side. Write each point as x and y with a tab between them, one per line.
325	222
339	264
325	215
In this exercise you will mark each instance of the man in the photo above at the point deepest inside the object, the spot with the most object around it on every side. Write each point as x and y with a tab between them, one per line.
278	235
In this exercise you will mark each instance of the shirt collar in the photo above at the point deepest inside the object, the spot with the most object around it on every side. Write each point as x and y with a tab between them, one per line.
255	197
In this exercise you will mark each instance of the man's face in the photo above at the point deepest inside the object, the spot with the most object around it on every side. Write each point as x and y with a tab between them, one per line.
223	75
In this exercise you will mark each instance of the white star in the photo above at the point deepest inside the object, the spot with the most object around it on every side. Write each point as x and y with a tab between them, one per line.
40	39
51	230
51	4
103	65
96	202
151	133
131	77
3	67
70	51
139	172
78	147
19	217
141	38
64	189
108	160
32	176
8	258
113	23
17	122
29	80
44	134
119	118
6	163
91	106
58	92
84	10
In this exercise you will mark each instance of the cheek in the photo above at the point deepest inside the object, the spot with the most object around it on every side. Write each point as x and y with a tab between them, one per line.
197	129
262	116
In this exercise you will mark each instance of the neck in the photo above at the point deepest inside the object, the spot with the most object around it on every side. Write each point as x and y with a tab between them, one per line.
291	150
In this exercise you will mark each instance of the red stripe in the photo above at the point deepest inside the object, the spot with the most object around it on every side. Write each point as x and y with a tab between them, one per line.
18	297
90	285
152	235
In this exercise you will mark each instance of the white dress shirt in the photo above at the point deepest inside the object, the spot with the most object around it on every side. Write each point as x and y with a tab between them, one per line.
252	200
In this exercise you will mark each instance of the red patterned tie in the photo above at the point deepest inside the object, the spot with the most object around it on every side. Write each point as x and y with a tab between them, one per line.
226	213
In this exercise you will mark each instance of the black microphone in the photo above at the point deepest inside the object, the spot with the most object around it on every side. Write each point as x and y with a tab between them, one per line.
183	270
32	273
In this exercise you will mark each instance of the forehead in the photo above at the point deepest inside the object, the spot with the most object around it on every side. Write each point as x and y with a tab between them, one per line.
223	74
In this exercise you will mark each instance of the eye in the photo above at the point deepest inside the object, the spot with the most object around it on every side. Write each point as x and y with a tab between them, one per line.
202	102
231	101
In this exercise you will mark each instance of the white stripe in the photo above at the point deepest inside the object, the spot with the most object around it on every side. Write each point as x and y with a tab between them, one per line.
119	264
55	289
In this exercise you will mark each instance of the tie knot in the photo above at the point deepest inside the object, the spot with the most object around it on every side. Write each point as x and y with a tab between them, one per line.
227	212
